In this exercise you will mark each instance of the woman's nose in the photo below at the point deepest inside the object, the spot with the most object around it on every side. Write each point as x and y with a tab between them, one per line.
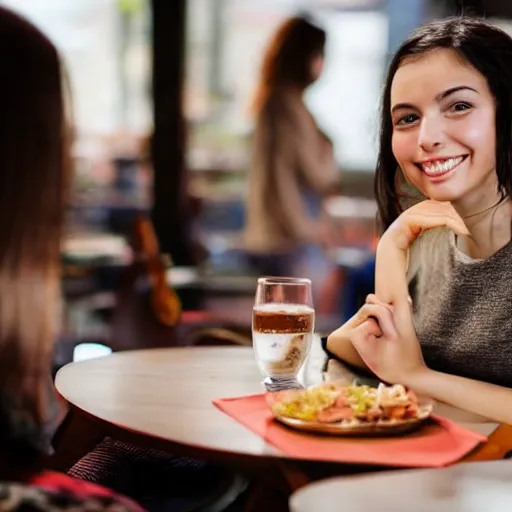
431	134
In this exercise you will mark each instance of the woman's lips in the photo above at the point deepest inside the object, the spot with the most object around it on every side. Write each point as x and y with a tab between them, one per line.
440	167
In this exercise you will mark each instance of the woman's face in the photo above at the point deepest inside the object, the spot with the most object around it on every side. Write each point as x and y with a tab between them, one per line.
444	134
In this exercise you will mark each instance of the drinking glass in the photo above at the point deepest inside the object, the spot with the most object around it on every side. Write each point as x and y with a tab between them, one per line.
283	322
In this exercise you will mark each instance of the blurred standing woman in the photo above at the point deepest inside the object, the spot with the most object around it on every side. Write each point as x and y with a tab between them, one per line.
292	166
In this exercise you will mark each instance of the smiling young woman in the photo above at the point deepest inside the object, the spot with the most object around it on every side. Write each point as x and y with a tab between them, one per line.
446	130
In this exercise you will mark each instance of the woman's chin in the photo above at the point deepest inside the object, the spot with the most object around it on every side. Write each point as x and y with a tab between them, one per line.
444	195
444	198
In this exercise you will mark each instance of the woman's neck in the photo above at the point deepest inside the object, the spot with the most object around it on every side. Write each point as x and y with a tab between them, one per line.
489	223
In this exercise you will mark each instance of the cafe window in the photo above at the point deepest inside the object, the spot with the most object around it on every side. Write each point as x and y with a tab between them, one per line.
225	42
104	44
105	47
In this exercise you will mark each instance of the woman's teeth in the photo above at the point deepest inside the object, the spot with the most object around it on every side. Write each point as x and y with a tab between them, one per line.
442	166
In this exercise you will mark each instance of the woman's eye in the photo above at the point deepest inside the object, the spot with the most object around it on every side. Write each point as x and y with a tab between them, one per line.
460	107
408	119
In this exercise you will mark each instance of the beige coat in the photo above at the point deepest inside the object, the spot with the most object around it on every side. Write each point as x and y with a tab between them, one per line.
289	155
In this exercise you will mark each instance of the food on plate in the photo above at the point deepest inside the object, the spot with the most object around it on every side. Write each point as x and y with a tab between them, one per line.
333	403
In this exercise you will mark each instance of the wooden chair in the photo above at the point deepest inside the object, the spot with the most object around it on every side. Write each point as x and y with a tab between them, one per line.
148	312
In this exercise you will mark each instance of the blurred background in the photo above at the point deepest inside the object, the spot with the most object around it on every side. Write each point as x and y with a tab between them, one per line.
160	93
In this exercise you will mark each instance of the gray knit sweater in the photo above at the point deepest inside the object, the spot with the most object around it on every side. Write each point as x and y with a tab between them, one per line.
462	308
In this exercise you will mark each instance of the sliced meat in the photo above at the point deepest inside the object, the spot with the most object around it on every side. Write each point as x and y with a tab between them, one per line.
341	402
335	414
397	413
412	411
374	414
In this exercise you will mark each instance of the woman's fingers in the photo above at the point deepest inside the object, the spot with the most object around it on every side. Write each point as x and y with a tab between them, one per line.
429	220
437	214
422	217
370	327
373	299
384	317
364	339
415	224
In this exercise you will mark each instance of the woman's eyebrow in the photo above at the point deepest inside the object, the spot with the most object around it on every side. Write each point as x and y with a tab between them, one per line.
452	90
439	97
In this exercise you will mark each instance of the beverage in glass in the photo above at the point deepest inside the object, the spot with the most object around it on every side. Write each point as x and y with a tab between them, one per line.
282	329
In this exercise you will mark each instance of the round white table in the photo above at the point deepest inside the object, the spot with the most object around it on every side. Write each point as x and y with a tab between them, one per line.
165	395
471	487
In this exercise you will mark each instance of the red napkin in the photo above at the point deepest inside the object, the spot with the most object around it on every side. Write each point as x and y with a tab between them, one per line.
439	442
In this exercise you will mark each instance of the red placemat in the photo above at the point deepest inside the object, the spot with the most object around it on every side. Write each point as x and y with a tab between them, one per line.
439	442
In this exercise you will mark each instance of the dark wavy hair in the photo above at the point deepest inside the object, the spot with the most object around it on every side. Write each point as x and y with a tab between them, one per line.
483	46
287	59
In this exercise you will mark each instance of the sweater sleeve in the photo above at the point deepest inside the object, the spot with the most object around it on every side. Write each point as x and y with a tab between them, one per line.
315	155
289	148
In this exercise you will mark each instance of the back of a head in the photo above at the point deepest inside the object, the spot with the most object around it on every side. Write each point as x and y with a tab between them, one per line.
34	165
288	57
477	43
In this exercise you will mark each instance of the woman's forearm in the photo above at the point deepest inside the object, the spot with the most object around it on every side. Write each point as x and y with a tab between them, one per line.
391	262
493	402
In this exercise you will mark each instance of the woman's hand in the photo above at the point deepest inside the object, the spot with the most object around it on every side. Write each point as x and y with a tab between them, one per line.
339	341
387	342
421	217
392	250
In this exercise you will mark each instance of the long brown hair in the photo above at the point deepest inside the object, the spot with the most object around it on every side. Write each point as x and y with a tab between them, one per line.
288	57
34	179
486	48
